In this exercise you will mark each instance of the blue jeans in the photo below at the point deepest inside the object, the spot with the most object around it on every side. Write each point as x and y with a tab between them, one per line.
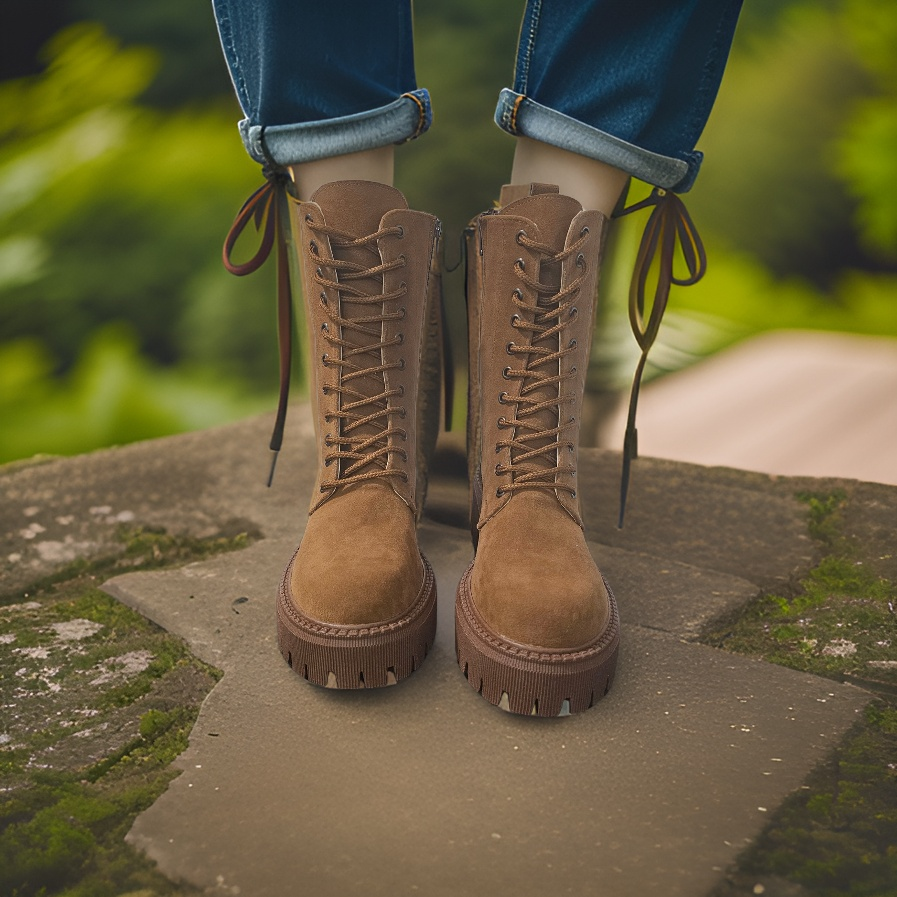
627	82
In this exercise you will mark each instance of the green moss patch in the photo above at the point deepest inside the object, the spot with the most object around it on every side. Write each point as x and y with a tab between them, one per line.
837	835
97	703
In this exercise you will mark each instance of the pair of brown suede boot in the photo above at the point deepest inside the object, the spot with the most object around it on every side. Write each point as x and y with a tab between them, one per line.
536	628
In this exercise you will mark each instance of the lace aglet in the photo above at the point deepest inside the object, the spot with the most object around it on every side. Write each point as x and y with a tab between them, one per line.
630	452
274	454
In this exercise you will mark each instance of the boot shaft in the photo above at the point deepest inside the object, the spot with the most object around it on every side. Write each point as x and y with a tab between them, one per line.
365	261
531	299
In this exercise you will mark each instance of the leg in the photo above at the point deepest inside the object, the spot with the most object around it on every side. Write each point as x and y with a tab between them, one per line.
603	92
325	98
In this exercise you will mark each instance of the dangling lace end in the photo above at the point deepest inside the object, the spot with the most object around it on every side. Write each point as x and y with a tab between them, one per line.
267	209
274	455
630	440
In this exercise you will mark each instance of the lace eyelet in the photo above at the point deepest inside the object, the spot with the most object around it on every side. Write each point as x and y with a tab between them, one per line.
499	492
402	259
324	358
401	338
319	271
573	369
506	372
509	348
502	396
573	494
313	247
324	327
402	313
584	231
401	392
521	263
401	364
520	233
323	298
401	232
517	293
502	423
572	344
515	320
580	261
498	471
574	312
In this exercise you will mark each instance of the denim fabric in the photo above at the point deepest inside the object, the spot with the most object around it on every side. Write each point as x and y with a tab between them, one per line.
629	83
321	79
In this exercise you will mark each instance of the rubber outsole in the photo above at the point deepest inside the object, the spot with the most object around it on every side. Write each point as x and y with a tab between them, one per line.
532	681
368	656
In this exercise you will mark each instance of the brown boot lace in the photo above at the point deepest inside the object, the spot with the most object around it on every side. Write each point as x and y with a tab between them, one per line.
553	311
359	456
267	209
668	224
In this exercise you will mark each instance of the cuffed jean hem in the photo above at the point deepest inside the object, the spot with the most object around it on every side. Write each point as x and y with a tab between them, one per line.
278	145
523	117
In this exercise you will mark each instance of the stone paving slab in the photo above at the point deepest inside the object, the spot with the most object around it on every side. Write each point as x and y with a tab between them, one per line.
426	788
420	788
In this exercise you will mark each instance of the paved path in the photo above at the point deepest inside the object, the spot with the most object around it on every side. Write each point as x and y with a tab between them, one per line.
789	402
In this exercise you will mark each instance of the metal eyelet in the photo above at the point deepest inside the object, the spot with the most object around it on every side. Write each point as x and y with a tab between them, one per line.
515	320
313	247
573	312
580	261
517	293
573	344
323	298
499	492
401	364
324	358
498	471
520	233
324	327
509	347
401	338
319	271
506	372
401	391
401	232
402	313
402	259
502	396
584	231
521	263
502	423
573	369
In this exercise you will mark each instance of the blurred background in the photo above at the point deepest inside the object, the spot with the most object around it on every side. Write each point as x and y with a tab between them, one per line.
121	170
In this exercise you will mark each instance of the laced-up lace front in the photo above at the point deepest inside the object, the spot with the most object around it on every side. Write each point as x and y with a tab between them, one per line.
535	449
365	431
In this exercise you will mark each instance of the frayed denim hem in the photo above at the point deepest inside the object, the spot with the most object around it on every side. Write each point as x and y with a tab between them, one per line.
279	145
521	116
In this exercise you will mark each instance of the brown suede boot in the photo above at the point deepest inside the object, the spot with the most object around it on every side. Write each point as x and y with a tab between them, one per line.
357	605
537	629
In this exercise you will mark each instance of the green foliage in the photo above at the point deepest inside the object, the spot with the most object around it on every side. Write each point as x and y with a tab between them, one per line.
867	152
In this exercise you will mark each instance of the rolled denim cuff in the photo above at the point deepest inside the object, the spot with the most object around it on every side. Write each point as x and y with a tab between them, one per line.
403	119
521	116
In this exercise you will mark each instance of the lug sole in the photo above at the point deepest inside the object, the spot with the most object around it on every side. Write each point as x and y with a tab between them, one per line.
530	681
367	656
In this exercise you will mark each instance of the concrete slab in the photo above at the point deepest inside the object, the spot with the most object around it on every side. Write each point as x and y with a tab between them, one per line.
425	788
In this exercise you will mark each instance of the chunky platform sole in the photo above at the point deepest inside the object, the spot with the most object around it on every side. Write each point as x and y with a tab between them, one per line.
367	656
527	680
